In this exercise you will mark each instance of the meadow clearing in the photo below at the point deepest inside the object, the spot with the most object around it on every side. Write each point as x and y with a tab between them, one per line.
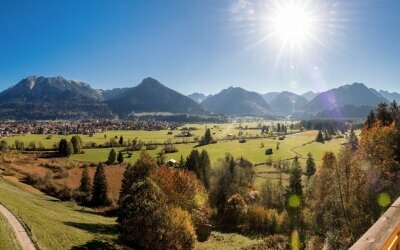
219	132
65	225
54	224
7	237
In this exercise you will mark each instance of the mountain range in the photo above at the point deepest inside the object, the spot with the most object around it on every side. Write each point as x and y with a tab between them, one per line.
40	98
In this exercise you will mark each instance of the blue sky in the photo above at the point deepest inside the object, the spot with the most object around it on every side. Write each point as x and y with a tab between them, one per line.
197	45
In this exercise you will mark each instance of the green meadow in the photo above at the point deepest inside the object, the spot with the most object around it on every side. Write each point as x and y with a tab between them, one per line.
54	224
7	237
253	149
219	131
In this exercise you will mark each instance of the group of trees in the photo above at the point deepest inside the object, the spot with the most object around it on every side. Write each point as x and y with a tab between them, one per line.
207	138
200	164
74	146
113	156
157	206
93	193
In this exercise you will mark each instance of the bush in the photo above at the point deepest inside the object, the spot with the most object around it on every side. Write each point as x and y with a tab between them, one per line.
32	179
264	221
235	212
269	151
170	148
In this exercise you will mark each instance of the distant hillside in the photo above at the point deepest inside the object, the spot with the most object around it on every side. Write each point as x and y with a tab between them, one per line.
197	97
51	98
390	96
237	101
356	94
152	96
347	111
268	97
111	93
310	95
287	103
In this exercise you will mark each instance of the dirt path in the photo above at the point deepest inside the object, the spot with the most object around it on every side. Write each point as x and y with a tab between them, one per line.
19	231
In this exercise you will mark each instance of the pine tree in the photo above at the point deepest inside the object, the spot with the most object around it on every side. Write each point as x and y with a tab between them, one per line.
62	147
137	172
383	115
310	165
205	166
320	137
370	119
112	157
295	185
120	158
121	140
353	140
85	187
100	188
207	138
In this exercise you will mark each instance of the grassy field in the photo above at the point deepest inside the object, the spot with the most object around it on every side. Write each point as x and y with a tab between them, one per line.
54	224
299	144
219	131
7	237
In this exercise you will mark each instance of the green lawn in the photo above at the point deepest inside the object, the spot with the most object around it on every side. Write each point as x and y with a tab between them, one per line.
54	224
218	131
252	149
7	237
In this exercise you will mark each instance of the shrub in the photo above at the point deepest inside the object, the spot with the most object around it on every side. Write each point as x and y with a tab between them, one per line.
170	148
269	151
262	220
32	179
234	214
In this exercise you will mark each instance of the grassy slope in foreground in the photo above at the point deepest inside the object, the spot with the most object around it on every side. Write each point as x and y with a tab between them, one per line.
7	237
54	224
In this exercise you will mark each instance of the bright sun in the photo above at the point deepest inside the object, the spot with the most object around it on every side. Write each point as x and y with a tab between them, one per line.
292	23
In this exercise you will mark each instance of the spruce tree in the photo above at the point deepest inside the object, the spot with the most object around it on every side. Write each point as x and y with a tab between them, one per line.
320	137
100	188
111	157
310	165
120	158
370	119
62	147
352	140
137	172
85	187
205	167
295	185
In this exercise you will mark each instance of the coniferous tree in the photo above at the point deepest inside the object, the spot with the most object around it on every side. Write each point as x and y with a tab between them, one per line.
353	140
100	188
205	166
320	137
112	157
370	119
207	138
295	185
137	172
383	115
85	187
121	140
62	147
310	165
120	158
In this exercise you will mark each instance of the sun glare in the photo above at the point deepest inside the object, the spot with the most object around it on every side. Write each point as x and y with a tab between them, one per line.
292	23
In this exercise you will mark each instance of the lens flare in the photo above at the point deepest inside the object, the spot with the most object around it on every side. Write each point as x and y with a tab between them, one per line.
384	200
